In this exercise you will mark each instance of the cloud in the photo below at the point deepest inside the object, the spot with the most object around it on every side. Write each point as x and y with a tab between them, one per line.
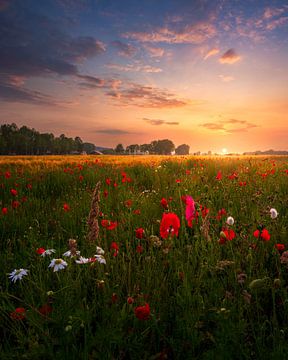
229	126
271	12
213	126
91	82
38	46
229	57
145	96
212	52
226	78
124	49
113	131
158	122
154	51
10	93
190	34
134	68
4	4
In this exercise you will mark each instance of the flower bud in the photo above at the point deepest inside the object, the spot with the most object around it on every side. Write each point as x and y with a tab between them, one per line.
273	213
230	220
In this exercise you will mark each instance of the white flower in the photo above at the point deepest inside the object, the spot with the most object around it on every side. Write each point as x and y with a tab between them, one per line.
48	252
82	260
99	250
58	264
18	274
68	253
100	259
273	213
230	220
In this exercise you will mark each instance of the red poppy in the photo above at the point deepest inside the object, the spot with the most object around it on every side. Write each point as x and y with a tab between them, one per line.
169	225
4	211
13	192
139	233
263	234
137	212
164	203
7	174
105	193
226	235
66	207
109	225
15	204
108	181
130	300
280	247
29	186
45	309
114	298
139	249
219	175
233	176
18	314
128	203
40	251
81	178
221	212
114	248
142	312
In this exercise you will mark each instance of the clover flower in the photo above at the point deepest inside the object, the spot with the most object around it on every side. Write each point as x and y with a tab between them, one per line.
273	213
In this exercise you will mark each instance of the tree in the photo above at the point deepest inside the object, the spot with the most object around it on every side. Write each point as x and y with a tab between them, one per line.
132	149
163	147
182	149
119	149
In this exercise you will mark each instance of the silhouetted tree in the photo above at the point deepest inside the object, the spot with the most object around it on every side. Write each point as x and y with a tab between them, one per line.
119	149
182	149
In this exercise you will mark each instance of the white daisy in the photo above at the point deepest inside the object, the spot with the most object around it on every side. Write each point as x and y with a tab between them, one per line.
48	252
100	259
58	264
273	213
68	253
82	260
18	274
230	220
99	250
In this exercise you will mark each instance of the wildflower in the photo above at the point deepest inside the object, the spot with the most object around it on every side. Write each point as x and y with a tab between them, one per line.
45	310
169	225
82	260
48	252
17	274
263	234
139	249
190	209
66	207
100	259
69	254
130	300
164	203
18	314
58	264
230	220
40	251
219	175
4	211
284	258
226	235
114	248
241	278
7	174
221	213
99	250
273	213
139	233
280	247
142	312
15	204
109	225
128	203
13	192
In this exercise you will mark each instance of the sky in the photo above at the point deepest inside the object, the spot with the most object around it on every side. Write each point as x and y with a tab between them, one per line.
210	74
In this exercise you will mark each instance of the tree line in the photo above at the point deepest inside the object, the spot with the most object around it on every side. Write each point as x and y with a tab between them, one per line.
23	140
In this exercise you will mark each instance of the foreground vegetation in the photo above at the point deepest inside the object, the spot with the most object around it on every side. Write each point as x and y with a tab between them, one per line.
195	262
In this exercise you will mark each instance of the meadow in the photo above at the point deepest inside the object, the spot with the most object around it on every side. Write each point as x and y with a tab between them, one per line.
144	257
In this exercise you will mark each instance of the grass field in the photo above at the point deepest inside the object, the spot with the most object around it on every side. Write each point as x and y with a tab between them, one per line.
194	263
